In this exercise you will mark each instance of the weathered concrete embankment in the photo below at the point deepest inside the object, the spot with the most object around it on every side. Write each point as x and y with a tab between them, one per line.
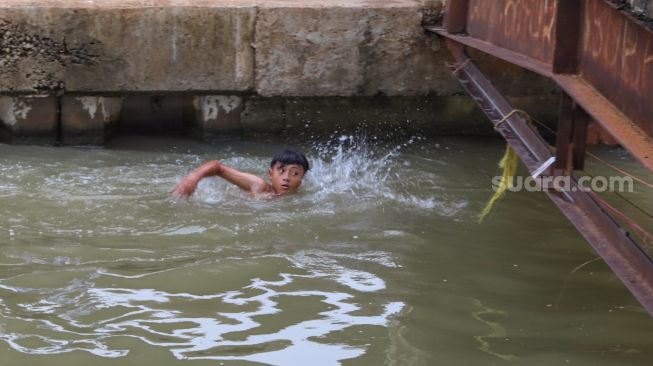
639	8
73	71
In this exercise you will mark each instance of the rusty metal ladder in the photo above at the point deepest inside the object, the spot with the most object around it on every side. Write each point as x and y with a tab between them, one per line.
623	255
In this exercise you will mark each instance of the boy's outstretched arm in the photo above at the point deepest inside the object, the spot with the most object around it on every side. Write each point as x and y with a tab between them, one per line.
245	181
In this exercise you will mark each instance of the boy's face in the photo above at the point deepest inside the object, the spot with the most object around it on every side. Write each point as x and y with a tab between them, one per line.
286	178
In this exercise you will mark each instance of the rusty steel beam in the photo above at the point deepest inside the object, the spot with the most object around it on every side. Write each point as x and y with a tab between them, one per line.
567	37
523	26
513	126
613	243
627	133
605	235
564	145
571	139
630	135
505	54
455	19
600	56
616	59
581	122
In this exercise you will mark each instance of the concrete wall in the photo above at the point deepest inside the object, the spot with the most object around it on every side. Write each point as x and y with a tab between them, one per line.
642	6
273	48
222	63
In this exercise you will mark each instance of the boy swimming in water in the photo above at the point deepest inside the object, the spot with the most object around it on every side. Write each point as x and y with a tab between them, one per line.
286	172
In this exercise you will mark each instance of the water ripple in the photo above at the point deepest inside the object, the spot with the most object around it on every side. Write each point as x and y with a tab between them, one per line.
83	316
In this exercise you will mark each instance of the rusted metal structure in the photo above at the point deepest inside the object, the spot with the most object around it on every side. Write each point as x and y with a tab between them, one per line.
602	58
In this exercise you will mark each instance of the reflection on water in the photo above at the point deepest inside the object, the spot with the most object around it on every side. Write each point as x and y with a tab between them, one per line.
378	260
497	331
143	314
147	314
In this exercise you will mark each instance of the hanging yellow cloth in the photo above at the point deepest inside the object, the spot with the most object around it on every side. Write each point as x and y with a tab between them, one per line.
509	165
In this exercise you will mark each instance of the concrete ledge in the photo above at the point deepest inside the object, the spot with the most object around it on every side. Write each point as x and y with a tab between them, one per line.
216	116
336	51
381	116
274	48
29	119
88	120
642	7
107	49
142	4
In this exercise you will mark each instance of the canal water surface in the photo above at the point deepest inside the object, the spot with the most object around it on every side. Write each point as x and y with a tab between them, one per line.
378	260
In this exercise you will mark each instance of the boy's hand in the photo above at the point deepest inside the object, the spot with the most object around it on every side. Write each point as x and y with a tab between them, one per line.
187	186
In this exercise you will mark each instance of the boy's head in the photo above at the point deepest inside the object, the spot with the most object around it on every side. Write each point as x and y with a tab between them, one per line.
287	171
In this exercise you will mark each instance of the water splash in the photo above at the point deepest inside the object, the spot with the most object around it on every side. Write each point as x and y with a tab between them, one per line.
352	164
362	168
345	169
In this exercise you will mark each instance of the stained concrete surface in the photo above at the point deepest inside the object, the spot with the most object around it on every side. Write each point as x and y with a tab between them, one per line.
295	48
283	67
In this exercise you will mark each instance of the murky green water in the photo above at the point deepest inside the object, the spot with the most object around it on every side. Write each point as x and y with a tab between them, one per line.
379	260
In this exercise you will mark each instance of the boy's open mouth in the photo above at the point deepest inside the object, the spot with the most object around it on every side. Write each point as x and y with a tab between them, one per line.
285	186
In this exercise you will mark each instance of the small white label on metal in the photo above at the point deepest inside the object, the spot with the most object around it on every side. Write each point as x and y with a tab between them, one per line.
543	167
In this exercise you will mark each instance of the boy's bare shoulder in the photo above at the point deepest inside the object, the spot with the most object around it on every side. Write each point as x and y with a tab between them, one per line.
261	188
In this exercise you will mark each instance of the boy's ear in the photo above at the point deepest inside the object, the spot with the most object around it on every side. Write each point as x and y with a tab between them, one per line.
270	172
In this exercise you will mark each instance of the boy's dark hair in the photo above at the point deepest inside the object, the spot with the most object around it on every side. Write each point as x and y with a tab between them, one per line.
289	157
